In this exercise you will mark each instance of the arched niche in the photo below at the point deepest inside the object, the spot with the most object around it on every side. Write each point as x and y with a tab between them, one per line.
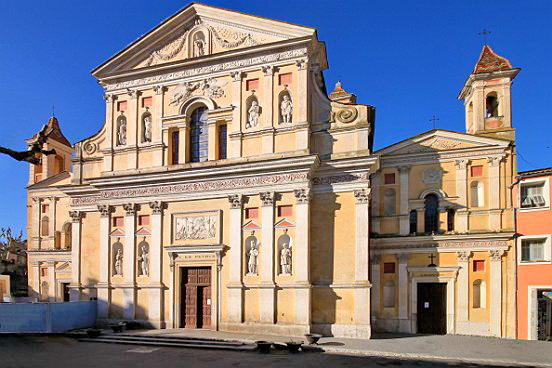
44	291
116	247
143	258
121	131
146	127
479	294
477	193
389	202
66	235
492	105
431	213
284	241
253	112
284	107
199	42
251	263
45	226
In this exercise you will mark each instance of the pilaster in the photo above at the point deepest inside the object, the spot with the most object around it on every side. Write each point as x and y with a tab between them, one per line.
362	265
234	145
496	292
404	219
132	128
157	123
267	291
35	285
235	285
35	223
155	275
52	221
494	192
463	289
104	292
375	194
404	322
461	193
375	260
301	103
268	109
129	261
109	129
51	281
76	225
301	257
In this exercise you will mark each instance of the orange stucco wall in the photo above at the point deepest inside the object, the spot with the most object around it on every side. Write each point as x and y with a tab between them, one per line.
531	223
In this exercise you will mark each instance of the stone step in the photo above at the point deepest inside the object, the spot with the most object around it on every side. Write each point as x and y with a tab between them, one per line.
176	338
171	342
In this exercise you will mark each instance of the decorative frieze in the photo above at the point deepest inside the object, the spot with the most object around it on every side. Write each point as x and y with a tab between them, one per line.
345	178
194	72
469	244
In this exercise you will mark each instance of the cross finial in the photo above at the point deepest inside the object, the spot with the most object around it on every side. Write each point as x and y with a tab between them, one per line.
484	33
433	120
432	257
53	110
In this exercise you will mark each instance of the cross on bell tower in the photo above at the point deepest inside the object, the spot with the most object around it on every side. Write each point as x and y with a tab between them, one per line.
484	32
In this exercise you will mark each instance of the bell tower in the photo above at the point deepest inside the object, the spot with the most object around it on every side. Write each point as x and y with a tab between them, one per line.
487	96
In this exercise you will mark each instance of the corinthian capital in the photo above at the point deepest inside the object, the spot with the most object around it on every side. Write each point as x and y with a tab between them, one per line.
236	200
302	195
267	198
361	196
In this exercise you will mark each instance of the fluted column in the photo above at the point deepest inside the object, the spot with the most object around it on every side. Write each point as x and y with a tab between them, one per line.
461	193
375	260
463	290
301	258
267	291
155	275
235	285
496	292
129	261
104	292
404	218
76	225
234	144
404	321
362	265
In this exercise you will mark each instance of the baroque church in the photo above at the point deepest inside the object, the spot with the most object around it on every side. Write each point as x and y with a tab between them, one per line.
227	190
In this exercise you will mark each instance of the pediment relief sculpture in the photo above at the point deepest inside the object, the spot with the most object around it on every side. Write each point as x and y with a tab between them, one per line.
210	87
433	144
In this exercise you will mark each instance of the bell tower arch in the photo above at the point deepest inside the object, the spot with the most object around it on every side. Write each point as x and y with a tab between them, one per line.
487	96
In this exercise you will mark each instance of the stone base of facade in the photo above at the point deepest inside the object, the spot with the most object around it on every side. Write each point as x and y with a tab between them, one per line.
263	328
473	328
341	330
392	325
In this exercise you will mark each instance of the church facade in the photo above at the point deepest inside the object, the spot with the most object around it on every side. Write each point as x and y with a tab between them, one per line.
228	190
220	192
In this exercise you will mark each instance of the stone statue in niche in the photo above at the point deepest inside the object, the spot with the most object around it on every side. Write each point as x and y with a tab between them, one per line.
253	114
147	128
119	263
286	109
199	46
144	260
285	259
121	132
253	257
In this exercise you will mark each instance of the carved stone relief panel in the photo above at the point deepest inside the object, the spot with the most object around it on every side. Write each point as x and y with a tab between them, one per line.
196	228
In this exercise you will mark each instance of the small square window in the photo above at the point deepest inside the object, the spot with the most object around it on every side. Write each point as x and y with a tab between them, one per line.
284	79
118	221
251	213
284	211
45	208
532	195
143	220
478	265
389	267
147	101
43	272
389	178
533	250
252	84
476	170
121	106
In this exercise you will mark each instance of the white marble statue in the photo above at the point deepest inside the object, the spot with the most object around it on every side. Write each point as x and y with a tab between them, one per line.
253	257
199	47
119	263
253	115
286	109
285	259
144	260
121	132
147	128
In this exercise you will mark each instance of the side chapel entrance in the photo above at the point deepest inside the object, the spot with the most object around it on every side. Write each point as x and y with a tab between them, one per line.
432	308
195	297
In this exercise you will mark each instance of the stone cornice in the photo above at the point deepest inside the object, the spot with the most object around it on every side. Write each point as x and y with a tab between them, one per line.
388	161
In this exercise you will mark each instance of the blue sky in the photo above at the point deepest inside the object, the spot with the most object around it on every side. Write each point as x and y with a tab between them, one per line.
407	58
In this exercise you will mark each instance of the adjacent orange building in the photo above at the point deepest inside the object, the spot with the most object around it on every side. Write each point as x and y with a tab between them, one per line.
534	261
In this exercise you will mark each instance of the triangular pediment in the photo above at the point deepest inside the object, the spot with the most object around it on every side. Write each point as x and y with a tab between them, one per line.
284	224
196	32
441	140
251	225
117	233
